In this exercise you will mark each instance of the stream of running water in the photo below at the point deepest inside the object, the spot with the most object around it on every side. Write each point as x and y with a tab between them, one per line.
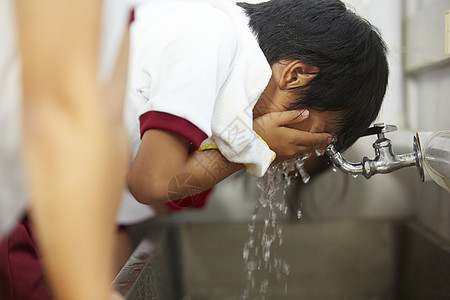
260	258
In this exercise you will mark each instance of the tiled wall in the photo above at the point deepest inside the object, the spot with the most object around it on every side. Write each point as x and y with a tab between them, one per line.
427	94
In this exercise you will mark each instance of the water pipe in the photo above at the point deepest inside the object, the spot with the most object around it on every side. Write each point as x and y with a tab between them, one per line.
431	156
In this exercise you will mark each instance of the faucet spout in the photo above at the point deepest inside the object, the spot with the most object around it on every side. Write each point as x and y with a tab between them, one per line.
385	160
341	163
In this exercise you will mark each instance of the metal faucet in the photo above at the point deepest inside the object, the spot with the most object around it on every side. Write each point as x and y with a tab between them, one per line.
385	160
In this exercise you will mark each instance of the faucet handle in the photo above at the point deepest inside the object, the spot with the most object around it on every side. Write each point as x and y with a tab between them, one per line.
379	129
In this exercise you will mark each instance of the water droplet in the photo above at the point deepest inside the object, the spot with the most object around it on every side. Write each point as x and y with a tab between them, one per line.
334	169
305	156
286	268
264	284
299	214
320	152
355	175
306	179
301	170
245	252
244	295
266	256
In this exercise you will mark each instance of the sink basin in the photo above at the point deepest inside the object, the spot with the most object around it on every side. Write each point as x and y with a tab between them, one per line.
342	259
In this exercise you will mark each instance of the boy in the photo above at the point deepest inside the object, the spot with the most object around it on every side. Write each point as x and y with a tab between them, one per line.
247	82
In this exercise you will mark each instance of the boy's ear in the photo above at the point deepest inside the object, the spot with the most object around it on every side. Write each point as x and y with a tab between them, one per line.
296	73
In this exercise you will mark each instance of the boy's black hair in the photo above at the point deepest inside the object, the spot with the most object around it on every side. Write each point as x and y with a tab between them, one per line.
348	50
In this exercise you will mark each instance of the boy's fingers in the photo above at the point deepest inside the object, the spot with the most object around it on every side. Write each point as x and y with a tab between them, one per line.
315	138
298	117
305	138
289	116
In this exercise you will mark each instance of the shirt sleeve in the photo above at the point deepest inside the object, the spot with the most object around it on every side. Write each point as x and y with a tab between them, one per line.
180	126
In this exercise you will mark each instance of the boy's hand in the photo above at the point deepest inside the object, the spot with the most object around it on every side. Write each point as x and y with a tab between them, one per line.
288	142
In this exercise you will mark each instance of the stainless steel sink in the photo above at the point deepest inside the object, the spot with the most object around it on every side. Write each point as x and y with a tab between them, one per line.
342	259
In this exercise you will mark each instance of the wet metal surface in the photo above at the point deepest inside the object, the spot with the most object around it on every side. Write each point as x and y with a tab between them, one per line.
351	260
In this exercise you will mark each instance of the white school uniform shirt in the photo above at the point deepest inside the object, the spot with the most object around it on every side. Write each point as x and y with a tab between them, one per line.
193	61
13	192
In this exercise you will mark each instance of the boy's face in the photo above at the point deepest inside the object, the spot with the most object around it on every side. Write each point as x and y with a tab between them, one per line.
276	98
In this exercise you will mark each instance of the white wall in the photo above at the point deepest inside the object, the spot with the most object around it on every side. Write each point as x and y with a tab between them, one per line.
427	76
386	16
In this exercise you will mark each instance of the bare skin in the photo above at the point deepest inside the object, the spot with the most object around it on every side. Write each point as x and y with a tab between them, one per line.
150	178
75	144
